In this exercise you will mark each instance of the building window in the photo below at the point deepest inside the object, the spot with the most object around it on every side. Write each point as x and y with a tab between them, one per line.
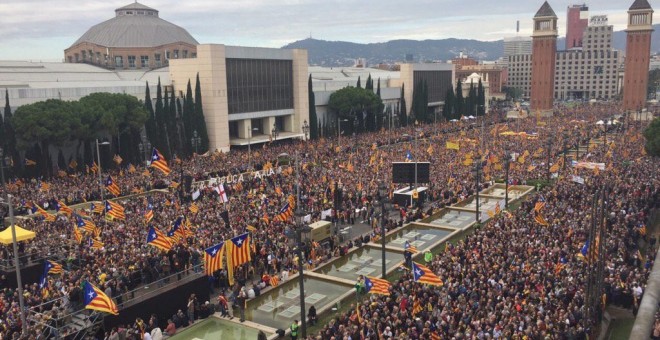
157	59
70	58
176	54
119	61
185	54
98	57
144	61
84	55
131	61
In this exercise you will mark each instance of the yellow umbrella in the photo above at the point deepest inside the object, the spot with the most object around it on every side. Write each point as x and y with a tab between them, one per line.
21	235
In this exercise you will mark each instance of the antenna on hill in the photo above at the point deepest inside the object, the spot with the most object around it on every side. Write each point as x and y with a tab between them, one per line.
310	34
517	27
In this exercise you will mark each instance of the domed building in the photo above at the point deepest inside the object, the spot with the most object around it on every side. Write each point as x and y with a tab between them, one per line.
136	38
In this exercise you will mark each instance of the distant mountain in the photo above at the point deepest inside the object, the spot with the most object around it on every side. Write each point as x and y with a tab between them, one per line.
343	53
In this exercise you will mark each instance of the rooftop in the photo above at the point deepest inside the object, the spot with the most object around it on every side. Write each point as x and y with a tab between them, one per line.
640	4
546	11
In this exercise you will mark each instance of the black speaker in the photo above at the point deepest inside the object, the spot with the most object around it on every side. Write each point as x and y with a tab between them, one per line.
404	172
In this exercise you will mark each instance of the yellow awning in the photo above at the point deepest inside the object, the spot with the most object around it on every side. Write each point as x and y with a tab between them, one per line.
21	235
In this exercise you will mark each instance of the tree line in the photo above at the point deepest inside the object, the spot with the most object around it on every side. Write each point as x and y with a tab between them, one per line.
40	130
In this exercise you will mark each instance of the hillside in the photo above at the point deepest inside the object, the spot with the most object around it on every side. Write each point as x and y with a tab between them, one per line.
343	53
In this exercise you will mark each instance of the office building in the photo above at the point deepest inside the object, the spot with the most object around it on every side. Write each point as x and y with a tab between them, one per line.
577	20
249	93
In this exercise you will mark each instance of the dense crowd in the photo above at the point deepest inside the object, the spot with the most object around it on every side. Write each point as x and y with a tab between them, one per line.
358	166
516	279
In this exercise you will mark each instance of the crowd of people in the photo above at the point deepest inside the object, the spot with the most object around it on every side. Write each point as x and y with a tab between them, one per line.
125	262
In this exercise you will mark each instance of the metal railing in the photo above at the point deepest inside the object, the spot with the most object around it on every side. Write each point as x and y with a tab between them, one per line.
29	259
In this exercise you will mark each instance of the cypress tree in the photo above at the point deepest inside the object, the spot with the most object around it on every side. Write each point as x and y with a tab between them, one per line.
61	163
378	88
200	122
313	119
159	140
9	133
459	103
150	124
180	128
403	117
188	117
165	125
359	85
472	100
369	85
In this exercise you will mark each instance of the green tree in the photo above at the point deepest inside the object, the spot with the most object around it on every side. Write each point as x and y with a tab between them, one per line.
359	85
369	85
9	144
46	123
200	123
512	93
313	119
403	116
447	109
653	83
61	163
353	102
150	124
166	124
160	141
189	117
459	103
652	135
378	88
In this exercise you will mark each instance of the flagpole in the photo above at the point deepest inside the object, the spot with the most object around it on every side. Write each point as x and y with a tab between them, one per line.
19	282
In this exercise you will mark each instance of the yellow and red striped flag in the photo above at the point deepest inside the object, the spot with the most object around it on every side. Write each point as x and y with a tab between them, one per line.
213	258
112	187
52	267
97	300
238	249
63	208
423	274
114	210
377	286
159	162
157	239
193	208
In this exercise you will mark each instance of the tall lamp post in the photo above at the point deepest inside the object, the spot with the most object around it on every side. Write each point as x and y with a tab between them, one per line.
301	228
145	148
19	283
507	158
547	165
195	141
98	158
384	199
477	168
565	147
250	129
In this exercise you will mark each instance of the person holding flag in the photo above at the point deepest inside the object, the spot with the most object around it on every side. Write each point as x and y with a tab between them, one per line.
159	162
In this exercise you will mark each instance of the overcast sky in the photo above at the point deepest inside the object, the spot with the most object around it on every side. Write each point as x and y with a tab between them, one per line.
42	29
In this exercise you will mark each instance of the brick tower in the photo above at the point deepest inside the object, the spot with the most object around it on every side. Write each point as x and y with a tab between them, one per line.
638	51
544	51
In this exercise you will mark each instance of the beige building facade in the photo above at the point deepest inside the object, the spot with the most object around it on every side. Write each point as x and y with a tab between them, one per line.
250	95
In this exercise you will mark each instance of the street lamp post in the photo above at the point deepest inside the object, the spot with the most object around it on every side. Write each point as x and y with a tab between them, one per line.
300	228
98	158
477	168
144	148
507	158
195	140
565	147
547	165
383	197
19	283
250	129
